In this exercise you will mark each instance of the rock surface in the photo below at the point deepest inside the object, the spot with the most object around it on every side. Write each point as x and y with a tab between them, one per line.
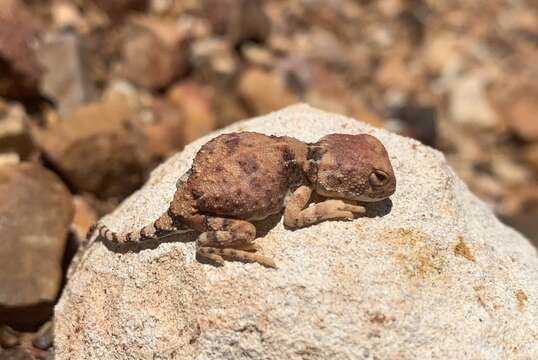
32	242
67	76
19	67
151	60
431	274
14	132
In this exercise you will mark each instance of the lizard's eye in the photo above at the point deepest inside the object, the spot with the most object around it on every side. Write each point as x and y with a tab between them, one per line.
378	178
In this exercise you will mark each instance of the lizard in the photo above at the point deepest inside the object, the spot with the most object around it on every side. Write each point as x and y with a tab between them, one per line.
241	177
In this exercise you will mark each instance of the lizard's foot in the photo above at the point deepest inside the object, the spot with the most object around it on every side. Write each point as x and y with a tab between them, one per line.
296	215
337	209
215	245
217	254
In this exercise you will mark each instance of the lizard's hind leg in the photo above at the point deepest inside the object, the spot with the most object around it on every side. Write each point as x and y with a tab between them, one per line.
227	238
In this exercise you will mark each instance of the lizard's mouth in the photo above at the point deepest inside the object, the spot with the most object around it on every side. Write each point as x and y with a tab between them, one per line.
369	196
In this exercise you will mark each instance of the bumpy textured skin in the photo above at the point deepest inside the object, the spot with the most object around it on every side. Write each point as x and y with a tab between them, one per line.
244	175
241	177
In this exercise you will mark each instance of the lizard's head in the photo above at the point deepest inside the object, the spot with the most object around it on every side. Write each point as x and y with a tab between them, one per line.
352	167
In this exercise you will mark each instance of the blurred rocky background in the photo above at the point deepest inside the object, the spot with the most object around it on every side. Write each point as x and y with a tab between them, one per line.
95	93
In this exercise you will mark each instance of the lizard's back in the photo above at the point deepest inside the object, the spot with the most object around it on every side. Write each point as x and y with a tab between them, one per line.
245	175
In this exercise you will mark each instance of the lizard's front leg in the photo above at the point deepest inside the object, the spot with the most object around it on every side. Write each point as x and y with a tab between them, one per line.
222	237
296	216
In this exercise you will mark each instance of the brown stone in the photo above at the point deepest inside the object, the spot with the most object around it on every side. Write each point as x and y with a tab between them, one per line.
150	57
16	354
98	148
118	9
36	210
228	108
238	20
165	134
264	91
394	74
213	59
520	113
14	132
20	70
85	216
67	77
531	155
194	102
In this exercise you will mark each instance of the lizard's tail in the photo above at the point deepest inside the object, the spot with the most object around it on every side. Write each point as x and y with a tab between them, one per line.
163	225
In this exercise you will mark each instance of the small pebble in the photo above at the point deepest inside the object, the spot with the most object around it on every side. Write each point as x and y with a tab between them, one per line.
8	337
44	337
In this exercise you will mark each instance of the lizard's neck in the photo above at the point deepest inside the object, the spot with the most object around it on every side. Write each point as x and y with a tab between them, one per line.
310	166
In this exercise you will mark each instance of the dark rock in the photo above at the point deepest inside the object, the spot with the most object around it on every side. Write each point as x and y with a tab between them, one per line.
153	55
520	109
8	337
85	216
44	337
193	100
14	133
16	354
119	9
20	70
36	210
238	20
264	91
419	122
98	149
165	134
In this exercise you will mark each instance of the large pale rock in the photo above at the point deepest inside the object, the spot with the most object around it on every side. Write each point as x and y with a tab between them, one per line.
430	275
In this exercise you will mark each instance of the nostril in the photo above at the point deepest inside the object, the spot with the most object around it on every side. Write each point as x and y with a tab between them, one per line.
378	178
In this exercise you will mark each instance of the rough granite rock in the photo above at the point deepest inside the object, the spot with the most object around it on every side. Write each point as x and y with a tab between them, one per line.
431	275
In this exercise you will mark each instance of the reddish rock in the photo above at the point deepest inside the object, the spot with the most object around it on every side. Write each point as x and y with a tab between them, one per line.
238	20
85	216
20	70
118	9
36	210
14	133
153	56
194	103
531	155
214	60
98	148
520	112
264	91
228	107
165	133
394	74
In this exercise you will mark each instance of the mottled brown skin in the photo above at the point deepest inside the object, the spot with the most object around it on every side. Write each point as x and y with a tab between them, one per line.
242	177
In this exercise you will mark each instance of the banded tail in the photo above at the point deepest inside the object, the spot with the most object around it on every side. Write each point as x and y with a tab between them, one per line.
164	225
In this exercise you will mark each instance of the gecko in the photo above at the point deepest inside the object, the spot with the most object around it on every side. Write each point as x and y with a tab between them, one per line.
239	178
